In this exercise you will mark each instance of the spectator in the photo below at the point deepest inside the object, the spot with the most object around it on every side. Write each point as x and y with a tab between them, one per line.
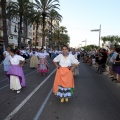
112	60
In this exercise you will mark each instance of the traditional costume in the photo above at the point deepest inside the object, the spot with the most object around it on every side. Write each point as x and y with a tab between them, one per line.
43	64
23	53
64	81
6	61
33	59
15	73
76	70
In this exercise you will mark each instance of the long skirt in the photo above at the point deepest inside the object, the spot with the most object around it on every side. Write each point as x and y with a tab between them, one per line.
33	62
15	83
16	75
6	68
64	83
43	66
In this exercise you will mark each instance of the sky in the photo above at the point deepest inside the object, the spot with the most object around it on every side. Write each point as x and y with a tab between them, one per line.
81	16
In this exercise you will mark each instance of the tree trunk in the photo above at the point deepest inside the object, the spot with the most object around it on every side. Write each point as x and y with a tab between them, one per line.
19	31
36	35
43	32
26	32
51	32
5	35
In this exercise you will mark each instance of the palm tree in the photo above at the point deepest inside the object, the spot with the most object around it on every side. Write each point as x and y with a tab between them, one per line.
18	10
4	17
60	38
54	16
104	39
27	19
44	6
63	29
37	20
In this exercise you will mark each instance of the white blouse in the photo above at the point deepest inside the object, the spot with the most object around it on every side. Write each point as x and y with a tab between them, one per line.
23	52
42	55
15	60
66	61
33	53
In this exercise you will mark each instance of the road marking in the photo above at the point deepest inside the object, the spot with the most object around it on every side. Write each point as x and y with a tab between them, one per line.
37	116
4	86
25	76
27	98
3	80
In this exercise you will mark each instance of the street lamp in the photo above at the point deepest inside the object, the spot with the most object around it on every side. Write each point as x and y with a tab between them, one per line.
85	42
15	30
98	30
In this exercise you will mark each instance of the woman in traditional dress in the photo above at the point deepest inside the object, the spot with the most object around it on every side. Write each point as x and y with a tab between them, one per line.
76	70
64	80
6	62
33	59
43	64
15	72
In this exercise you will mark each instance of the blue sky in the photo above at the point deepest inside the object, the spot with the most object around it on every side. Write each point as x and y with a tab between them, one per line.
80	16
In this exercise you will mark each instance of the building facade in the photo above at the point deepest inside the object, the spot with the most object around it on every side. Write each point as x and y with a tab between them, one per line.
13	29
1	26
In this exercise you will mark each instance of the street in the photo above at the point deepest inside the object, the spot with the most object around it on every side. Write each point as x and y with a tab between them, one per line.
95	97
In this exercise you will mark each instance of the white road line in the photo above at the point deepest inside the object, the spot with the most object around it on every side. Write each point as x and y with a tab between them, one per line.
43	106
25	76
3	80
27	98
4	86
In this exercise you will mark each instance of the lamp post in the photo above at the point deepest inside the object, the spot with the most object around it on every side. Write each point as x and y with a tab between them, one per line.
98	30
19	33
85	42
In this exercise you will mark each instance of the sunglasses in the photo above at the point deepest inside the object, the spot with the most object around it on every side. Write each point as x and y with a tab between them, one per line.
64	49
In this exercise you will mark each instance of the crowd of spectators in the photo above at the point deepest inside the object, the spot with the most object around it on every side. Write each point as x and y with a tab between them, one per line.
104	60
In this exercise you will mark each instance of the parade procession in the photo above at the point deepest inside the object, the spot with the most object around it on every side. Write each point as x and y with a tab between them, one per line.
59	60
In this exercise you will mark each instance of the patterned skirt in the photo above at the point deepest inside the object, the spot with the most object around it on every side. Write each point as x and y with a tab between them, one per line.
43	66
64	83
64	92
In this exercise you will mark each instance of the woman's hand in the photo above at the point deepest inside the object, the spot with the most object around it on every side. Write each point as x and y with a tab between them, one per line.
58	67
21	65
72	68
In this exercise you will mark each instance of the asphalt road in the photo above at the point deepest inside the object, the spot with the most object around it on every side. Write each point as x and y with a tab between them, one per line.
95	97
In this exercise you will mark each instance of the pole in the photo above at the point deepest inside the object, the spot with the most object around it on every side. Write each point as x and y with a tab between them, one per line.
86	42
19	36
99	35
